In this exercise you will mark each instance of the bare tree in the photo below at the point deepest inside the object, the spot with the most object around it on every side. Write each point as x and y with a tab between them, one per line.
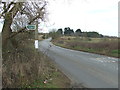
17	15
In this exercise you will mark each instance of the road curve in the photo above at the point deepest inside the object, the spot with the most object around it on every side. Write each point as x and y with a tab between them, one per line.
91	70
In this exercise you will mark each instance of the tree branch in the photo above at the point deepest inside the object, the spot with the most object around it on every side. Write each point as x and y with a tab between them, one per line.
7	8
23	29
40	15
16	8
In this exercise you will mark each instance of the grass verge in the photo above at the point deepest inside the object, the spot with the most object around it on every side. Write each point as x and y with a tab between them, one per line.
103	46
25	67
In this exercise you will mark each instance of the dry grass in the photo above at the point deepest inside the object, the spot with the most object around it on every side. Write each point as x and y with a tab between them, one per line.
24	66
105	46
20	66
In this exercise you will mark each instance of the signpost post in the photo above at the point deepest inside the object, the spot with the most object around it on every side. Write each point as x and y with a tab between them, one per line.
34	27
36	35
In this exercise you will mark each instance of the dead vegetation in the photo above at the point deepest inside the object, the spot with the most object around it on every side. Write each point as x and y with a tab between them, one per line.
104	46
23	66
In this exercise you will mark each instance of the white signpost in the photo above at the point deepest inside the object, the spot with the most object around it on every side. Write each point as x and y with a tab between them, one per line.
36	44
34	27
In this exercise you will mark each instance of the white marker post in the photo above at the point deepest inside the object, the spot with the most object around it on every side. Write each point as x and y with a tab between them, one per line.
36	44
36	35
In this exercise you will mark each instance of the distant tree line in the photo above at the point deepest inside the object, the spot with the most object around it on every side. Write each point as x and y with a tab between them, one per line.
70	32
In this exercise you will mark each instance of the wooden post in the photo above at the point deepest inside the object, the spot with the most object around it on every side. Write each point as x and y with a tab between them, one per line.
36	36
36	31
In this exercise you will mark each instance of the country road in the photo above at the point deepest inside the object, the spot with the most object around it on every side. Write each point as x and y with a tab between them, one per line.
91	70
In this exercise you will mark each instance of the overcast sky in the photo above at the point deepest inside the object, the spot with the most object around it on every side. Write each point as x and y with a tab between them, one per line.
88	15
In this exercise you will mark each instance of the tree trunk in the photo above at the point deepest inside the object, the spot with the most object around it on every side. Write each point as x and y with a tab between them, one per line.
6	31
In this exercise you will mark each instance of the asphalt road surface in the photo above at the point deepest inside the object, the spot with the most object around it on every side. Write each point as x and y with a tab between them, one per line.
90	70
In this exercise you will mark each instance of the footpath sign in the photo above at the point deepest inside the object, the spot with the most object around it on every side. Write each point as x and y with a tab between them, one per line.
31	27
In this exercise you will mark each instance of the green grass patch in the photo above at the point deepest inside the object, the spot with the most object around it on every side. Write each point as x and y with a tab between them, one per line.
40	84
115	51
